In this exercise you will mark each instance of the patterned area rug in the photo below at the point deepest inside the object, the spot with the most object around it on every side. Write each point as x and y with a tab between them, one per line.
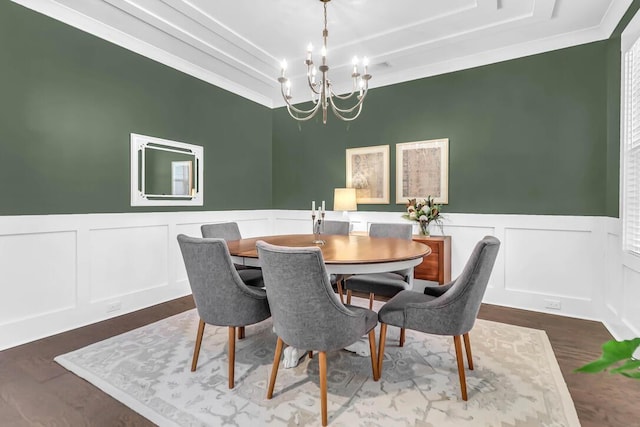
516	381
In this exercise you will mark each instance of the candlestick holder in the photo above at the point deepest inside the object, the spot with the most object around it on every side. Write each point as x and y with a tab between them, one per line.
318	229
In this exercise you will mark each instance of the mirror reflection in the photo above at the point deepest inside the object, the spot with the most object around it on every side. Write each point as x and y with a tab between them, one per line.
182	178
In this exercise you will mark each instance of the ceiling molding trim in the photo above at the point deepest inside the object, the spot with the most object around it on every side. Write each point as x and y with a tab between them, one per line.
272	99
483	58
536	15
192	40
87	24
541	11
244	44
611	19
372	37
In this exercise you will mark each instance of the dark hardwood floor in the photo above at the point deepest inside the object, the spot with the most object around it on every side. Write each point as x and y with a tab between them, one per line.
36	391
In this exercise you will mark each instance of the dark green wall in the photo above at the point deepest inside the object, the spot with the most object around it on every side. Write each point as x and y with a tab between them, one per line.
68	102
536	135
526	136
612	178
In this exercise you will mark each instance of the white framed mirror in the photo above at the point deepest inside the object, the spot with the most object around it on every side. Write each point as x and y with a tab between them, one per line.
165	172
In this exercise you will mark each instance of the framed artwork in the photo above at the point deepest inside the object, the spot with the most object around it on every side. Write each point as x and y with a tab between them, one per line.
368	173
422	169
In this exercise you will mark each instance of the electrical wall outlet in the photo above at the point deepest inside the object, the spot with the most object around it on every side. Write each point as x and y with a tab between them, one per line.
552	304
114	306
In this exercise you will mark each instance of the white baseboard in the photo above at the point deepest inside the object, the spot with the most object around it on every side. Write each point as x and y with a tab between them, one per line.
60	272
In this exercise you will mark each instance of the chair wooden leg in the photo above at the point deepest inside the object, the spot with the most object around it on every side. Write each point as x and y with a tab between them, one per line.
274	368
310	354
383	337
372	350
467	346
232	354
402	337
322	362
371	298
196	351
460	360
340	293
240	332
348	296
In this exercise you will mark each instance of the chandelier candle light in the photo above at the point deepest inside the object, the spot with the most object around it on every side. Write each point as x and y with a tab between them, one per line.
322	93
318	226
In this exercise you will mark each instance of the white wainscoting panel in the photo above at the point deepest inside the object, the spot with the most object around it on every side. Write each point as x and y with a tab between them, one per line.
60	272
613	288
549	262
254	227
631	305
466	238
193	230
286	225
38	274
127	261
620	289
523	256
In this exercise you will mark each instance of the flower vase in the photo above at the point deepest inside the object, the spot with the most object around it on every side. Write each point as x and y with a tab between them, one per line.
424	228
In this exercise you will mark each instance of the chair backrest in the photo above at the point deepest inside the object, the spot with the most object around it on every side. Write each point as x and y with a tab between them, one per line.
399	231
336	227
223	230
306	312
465	296
217	288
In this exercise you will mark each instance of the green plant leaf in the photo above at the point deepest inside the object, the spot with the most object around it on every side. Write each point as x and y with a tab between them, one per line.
613	352
627	366
635	375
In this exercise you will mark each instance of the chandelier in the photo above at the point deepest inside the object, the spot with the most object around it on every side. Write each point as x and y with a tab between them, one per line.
322	93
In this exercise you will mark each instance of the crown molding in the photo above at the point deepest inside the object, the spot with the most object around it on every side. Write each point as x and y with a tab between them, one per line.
242	61
85	23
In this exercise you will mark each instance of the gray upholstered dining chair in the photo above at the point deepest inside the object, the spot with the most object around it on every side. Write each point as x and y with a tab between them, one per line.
229	231
307	313
336	227
221	297
450	309
385	284
251	276
340	228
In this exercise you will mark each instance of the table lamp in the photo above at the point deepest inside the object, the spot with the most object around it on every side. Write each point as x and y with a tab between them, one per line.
344	199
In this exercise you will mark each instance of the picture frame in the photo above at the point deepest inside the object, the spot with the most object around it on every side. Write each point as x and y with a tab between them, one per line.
368	172
422	170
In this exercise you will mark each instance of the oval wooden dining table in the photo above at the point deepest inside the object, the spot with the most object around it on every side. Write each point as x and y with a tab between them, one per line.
343	254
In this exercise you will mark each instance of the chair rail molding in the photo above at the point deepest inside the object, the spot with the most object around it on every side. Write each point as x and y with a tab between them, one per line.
96	266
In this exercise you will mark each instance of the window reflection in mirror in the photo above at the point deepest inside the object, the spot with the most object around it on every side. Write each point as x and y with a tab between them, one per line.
166	172
181	178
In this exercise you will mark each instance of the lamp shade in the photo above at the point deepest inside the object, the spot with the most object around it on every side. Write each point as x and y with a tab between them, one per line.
344	199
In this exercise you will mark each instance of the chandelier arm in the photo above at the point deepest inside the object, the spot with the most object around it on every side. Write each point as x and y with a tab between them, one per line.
343	118
333	94
312	86
312	111
302	119
297	110
334	107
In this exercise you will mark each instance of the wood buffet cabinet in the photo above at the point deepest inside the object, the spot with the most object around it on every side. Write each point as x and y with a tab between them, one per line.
436	266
